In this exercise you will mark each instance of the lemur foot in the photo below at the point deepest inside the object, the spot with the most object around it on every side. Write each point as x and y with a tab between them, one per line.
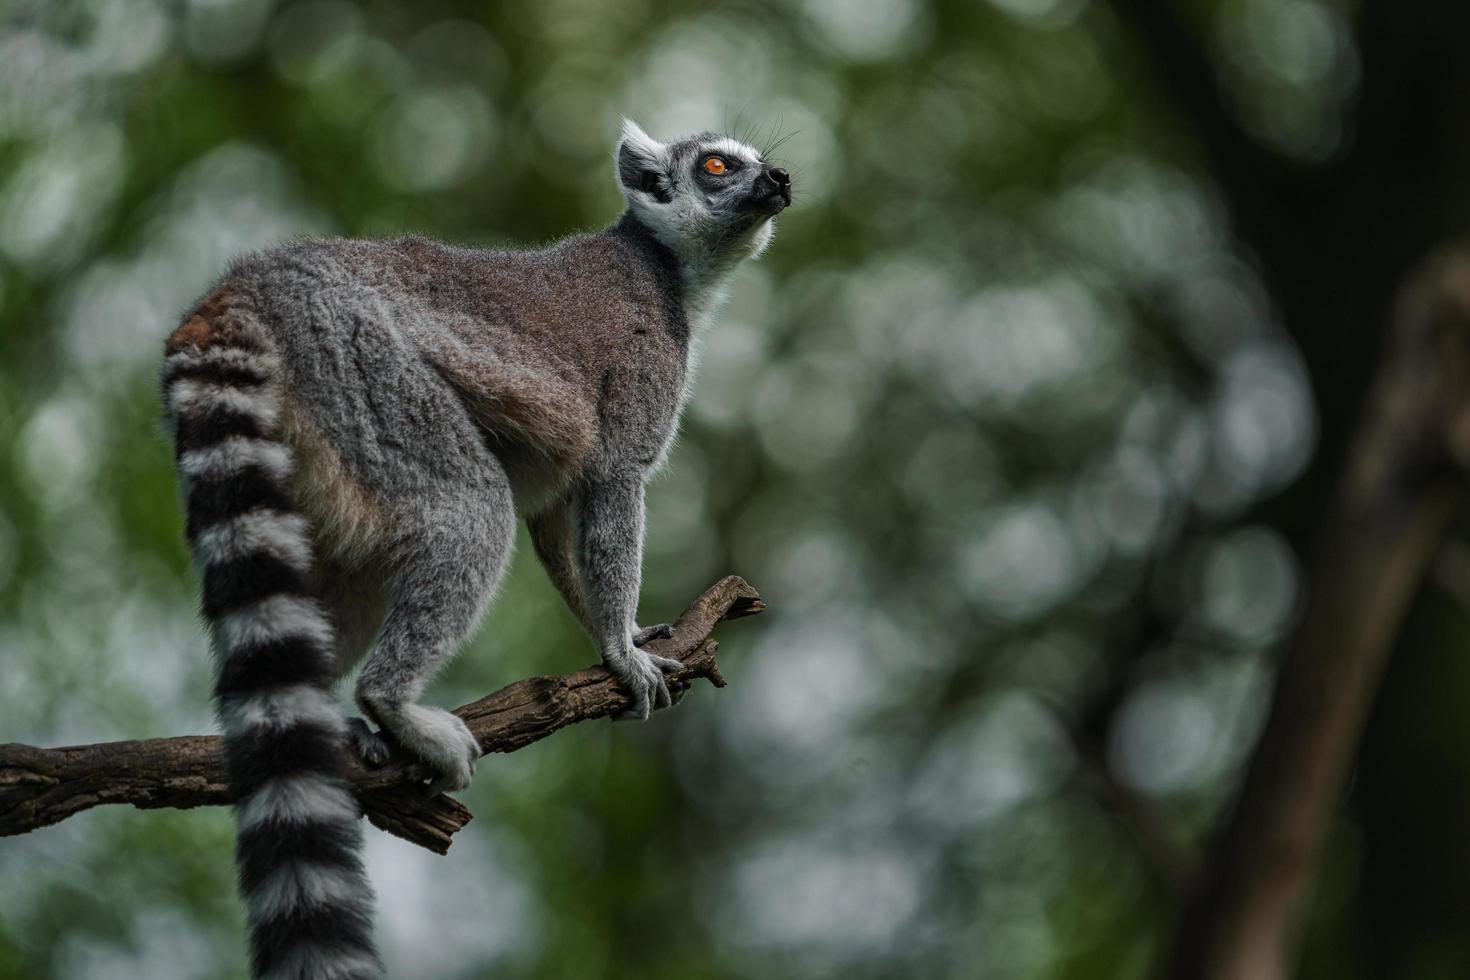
660	632
441	739
642	676
372	747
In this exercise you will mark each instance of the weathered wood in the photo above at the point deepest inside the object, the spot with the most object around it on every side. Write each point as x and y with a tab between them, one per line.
40	787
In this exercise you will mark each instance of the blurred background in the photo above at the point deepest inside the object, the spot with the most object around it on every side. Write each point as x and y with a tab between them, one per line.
1029	429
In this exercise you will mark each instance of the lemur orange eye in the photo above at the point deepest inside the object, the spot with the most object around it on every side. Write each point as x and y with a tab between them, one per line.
714	165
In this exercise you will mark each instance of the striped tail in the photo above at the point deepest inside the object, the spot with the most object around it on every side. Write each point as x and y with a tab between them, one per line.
309	902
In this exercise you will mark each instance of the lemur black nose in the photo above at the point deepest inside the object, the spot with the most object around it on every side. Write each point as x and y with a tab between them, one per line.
779	176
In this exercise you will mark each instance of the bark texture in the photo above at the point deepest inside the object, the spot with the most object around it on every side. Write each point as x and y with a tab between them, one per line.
40	787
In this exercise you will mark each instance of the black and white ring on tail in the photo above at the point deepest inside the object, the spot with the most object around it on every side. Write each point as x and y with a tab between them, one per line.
361	424
308	902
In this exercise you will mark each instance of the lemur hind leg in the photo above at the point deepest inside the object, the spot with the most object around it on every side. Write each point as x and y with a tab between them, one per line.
451	551
355	596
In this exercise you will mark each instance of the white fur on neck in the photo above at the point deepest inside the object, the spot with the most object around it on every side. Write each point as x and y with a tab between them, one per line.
707	277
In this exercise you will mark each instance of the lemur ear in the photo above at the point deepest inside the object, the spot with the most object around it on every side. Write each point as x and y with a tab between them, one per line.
642	162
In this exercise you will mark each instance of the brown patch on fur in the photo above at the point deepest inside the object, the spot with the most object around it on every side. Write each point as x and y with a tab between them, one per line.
347	518
533	408
534	421
195	334
213	323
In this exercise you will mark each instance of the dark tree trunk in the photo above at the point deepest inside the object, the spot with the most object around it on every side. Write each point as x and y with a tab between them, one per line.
1338	245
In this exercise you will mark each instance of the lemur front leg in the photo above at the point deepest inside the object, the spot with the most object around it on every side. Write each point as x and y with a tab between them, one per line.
551	536
608	546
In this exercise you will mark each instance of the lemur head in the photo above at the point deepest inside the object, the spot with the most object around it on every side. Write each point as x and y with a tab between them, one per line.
710	199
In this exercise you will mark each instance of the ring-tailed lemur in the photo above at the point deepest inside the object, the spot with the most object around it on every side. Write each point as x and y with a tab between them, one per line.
358	425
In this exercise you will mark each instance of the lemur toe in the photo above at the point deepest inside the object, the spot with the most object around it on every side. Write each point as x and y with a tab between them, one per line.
660	632
372	747
666	664
440	739
456	771
642	677
452	781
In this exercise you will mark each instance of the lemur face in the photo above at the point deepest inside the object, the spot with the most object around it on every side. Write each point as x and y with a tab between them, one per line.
707	194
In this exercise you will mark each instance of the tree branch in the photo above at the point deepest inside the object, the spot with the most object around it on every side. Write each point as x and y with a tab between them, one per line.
39	787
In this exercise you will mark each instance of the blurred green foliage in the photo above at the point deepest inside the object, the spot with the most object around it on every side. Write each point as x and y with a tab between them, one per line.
1002	351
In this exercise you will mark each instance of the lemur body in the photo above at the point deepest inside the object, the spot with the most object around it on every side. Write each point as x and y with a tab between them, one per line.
359	426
